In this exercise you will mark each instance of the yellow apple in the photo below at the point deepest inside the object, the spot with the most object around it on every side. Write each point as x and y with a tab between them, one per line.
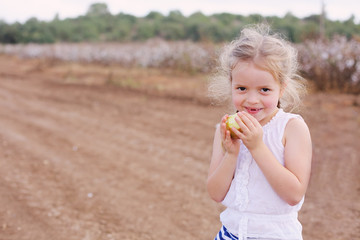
230	122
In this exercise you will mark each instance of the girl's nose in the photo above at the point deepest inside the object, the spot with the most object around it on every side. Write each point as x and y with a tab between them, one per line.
252	98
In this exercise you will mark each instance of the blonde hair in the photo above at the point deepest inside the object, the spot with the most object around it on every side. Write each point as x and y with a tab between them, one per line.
269	52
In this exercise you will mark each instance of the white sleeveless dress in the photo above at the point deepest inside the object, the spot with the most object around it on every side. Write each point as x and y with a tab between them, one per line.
254	210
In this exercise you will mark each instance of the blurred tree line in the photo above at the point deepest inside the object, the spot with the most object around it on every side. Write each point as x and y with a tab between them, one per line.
99	25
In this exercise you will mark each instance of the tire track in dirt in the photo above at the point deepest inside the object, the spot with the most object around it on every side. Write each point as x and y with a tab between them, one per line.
36	147
57	126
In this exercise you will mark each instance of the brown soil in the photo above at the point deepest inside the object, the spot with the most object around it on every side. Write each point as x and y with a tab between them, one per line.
100	152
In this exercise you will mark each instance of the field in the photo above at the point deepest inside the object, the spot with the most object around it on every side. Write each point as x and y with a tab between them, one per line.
102	152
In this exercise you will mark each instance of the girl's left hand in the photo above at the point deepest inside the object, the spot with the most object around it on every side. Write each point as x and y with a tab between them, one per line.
251	132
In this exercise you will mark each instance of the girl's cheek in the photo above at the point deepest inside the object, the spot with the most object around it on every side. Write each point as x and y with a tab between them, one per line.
237	102
271	102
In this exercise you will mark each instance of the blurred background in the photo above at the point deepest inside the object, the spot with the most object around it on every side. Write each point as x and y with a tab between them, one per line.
106	126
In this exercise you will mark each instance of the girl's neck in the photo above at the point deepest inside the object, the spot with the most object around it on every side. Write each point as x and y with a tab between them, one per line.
269	117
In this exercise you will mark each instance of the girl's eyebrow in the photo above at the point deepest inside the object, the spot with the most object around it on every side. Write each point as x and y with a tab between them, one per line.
265	86
236	83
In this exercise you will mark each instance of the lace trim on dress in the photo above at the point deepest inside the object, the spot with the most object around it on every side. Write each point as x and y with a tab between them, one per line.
242	179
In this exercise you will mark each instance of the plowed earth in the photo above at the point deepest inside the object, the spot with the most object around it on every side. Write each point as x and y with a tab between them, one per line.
100	152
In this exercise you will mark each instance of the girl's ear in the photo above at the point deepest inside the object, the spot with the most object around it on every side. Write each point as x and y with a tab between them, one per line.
282	88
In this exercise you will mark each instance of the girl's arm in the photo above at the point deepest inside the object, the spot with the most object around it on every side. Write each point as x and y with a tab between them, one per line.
290	181
223	162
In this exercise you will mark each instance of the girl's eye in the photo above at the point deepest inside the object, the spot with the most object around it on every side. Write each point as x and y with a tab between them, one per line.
265	89
241	88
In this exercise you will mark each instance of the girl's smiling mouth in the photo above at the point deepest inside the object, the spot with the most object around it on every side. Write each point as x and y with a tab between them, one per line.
253	110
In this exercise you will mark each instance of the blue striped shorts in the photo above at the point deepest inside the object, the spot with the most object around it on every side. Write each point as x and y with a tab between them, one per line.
224	234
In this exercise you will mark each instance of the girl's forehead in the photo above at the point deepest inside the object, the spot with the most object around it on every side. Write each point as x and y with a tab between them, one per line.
249	71
247	65
240	65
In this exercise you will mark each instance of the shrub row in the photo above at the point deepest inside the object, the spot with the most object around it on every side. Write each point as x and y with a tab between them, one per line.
183	55
330	65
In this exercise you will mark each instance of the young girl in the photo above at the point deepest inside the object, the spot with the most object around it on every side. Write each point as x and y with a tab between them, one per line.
262	175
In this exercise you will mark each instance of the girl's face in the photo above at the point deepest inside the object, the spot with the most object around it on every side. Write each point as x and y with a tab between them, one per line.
255	91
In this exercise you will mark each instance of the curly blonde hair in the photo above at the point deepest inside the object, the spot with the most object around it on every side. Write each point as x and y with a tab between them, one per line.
270	52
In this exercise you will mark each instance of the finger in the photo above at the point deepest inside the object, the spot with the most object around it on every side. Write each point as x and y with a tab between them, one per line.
225	117
251	118
223	131
237	132
241	123
226	140
247	119
227	135
223	126
255	123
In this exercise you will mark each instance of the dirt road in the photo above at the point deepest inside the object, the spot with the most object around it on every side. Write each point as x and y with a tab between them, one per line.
95	161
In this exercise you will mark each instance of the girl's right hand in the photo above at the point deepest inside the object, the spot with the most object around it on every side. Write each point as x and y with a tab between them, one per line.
230	145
